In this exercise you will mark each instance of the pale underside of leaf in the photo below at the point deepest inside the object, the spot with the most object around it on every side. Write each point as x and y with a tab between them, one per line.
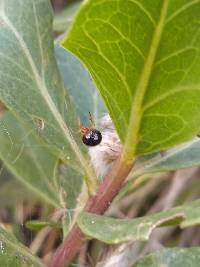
171	257
183	156
113	231
28	159
39	80
80	86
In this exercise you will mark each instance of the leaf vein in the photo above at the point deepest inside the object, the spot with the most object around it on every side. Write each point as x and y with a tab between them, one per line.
168	94
178	52
145	11
17	65
137	49
123	78
182	9
38	37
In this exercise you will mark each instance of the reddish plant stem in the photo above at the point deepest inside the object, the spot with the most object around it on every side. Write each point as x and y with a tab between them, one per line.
97	204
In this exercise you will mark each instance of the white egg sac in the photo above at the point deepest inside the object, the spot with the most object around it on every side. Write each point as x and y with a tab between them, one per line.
104	154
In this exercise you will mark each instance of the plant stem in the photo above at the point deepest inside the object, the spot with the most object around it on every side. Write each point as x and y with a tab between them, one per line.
97	204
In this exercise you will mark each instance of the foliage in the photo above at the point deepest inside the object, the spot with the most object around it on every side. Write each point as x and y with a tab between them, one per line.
143	70
12	253
136	60
171	257
115	231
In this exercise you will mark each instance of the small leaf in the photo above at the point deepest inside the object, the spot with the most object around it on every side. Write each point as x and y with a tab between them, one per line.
38	225
14	254
172	257
113	231
144	59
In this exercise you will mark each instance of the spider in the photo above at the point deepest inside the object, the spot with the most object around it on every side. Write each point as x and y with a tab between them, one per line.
91	136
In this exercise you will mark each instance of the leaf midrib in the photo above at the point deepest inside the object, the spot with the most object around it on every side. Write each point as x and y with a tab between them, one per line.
132	137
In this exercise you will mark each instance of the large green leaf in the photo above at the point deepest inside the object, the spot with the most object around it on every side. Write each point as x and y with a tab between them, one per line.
172	257
144	58
113	231
30	84
14	254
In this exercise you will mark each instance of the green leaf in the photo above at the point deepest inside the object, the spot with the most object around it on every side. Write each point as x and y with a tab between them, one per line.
172	257
33	165
30	83
144	59
114	231
63	19
8	185
72	194
38	225
30	161
14	254
80	86
182	156
85	98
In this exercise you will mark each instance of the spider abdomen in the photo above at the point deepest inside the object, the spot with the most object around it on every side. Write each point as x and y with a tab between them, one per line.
92	138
